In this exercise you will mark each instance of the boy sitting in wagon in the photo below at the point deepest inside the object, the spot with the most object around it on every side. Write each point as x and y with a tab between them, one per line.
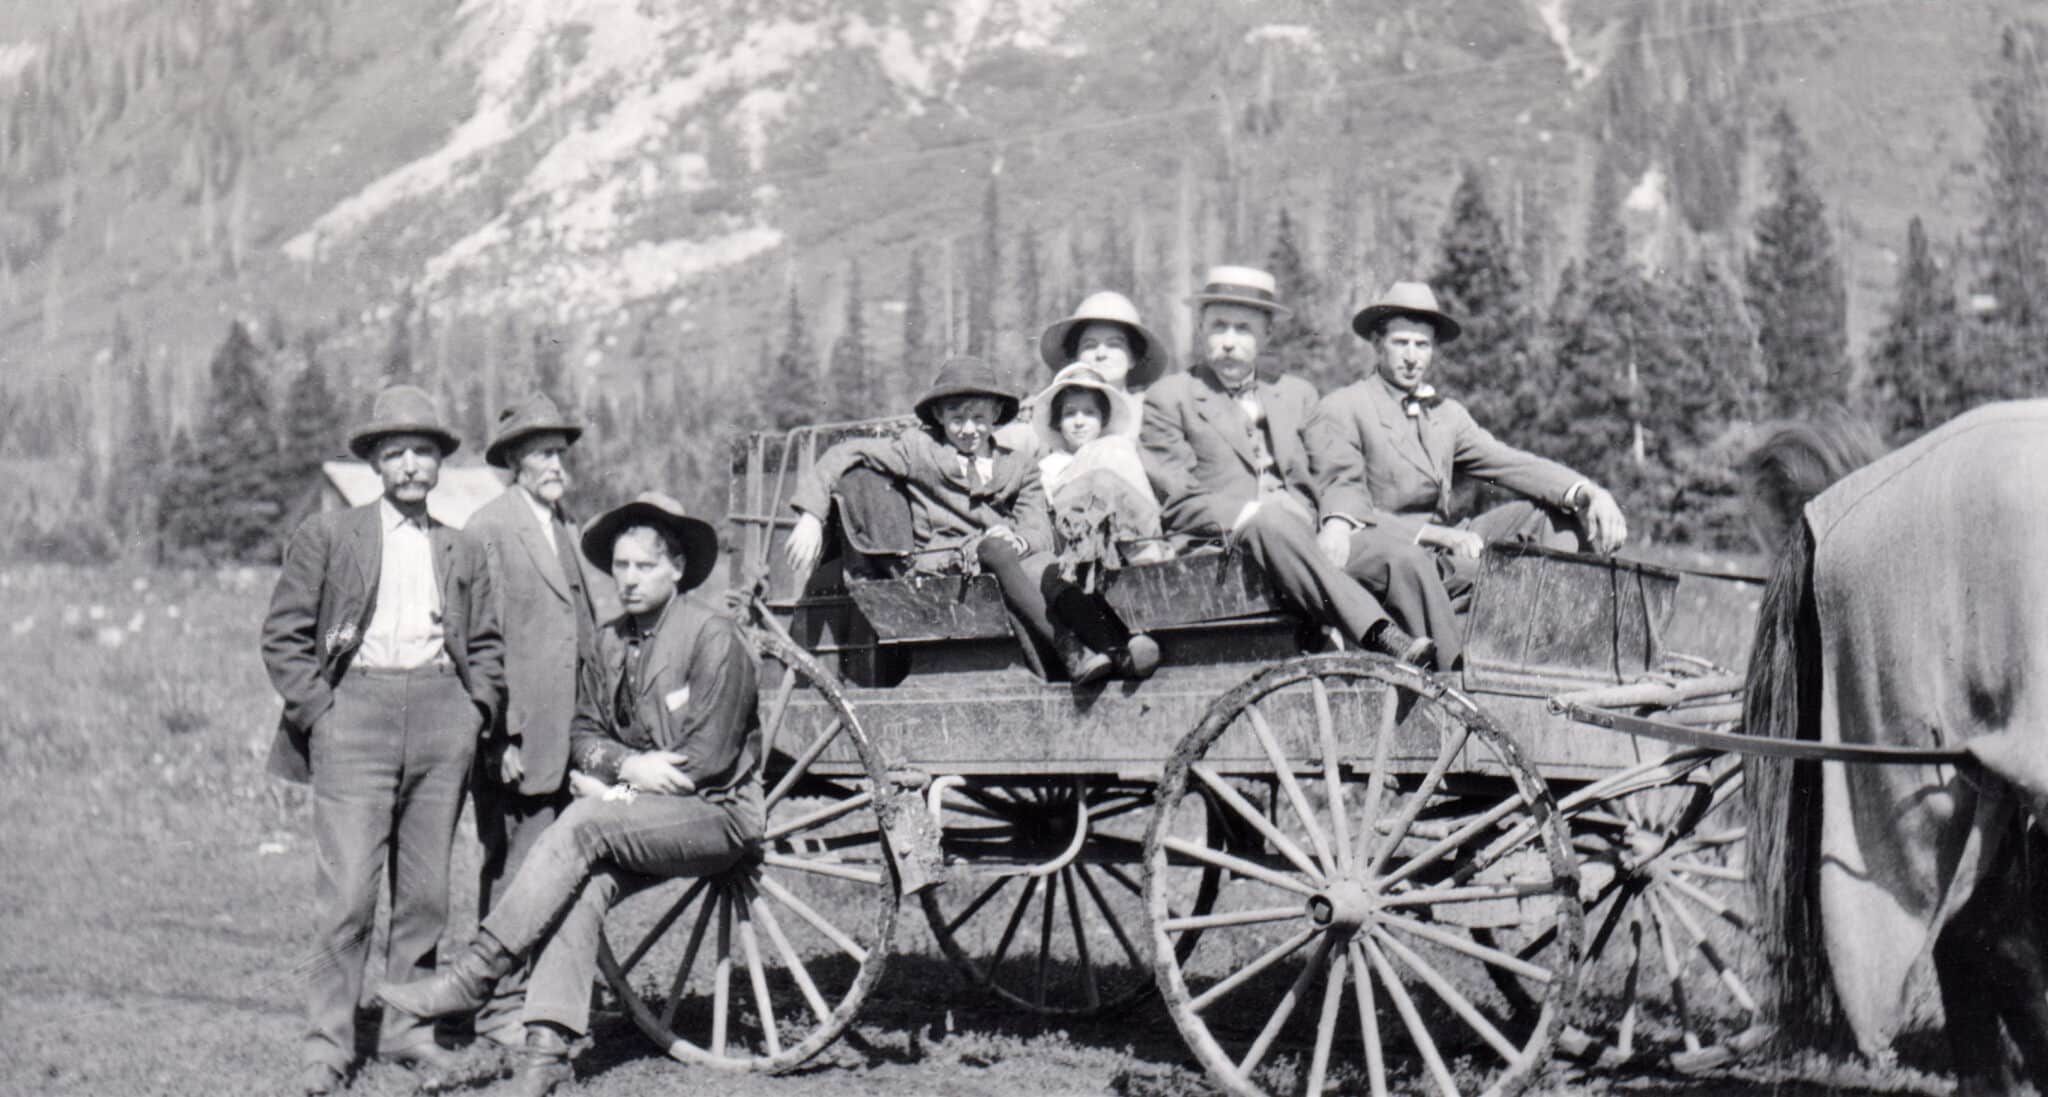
977	506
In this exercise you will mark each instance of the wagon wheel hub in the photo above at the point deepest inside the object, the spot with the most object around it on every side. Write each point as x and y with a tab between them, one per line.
1344	906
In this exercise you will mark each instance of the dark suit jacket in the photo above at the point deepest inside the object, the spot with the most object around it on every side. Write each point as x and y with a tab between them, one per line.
322	604
548	616
946	508
1378	467
696	697
1197	446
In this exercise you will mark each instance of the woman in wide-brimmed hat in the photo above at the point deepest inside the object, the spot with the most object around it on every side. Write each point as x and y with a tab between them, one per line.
1106	335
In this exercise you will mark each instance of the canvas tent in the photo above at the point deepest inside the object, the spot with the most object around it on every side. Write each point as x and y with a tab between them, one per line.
462	489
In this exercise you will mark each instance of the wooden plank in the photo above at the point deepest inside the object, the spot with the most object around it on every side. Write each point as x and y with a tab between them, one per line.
1540	617
1200	586
919	608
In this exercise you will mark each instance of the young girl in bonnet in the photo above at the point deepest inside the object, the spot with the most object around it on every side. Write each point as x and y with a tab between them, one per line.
1102	504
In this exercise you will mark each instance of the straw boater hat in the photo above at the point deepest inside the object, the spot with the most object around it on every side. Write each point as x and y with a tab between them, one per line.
1148	355
1123	413
652	508
1405	300
534	415
1241	286
965	375
402	409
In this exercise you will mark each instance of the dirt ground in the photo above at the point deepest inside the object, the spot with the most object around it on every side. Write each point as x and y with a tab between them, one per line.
156	883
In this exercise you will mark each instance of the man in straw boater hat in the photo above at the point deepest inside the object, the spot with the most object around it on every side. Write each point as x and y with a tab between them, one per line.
1388	453
548	599
1223	448
977	504
382	638
666	715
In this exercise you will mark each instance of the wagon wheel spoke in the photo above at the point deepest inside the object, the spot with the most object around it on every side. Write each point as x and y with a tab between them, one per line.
1368	1020
1418	1033
1625	1040
1250	971
970	910
790	960
1448	750
1685	889
1111	809
1264	1042
757	976
1091	993
1449	842
1333	776
1701	943
1238	865
778	708
1486	954
1376	779
662	925
995	962
1674	969
1326	1024
1045	924
1283	771
797	769
1711	872
721	977
1116	926
870	877
819	922
1460	1005
689	964
1251	815
1254	917
838	809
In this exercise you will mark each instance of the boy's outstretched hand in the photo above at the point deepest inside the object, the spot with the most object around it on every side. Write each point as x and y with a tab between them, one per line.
806	542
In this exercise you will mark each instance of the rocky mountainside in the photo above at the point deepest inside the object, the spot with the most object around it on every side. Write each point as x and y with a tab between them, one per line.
644	181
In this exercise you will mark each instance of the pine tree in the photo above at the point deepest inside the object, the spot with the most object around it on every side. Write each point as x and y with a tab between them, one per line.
791	397
986	279
1796	290
1030	279
853	394
2007	358
548	374
313	422
1297	344
1493	367
917	351
235	509
398	343
1915	377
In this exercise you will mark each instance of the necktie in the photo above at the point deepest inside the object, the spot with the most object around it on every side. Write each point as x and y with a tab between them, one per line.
629	684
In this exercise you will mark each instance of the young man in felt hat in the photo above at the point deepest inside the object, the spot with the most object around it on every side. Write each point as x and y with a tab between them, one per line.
382	638
1223	447
1388	453
665	714
979	503
548	608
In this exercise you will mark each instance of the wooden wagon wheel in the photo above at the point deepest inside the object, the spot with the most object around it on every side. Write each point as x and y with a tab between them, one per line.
762	967
1074	846
1668	935
1364	893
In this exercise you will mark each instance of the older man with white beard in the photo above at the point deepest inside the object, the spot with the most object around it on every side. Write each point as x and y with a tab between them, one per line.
547	609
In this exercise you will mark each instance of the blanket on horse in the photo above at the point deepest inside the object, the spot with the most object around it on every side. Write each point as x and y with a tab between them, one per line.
1930	579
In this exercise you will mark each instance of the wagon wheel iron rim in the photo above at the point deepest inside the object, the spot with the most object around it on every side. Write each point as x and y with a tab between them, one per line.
1084	906
1666	896
1397	818
761	967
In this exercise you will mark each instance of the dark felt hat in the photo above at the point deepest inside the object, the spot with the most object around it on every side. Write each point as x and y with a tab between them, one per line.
537	414
402	409
1408	301
965	375
652	508
1148	354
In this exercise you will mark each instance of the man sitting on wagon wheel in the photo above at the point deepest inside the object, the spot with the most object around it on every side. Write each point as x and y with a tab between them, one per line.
1223	449
666	713
1388	452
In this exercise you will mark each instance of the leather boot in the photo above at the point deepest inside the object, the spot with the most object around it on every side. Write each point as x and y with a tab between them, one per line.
543	1062
1138	658
460	987
1388	638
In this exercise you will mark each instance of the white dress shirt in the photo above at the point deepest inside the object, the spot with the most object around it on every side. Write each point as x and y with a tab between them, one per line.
405	627
542	513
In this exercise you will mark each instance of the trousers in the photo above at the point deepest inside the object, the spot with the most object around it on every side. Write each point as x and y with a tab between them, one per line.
508	824
1042	601
389	762
1424	588
1282	543
599	851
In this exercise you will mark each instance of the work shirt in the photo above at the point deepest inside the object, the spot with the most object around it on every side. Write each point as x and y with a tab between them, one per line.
405	627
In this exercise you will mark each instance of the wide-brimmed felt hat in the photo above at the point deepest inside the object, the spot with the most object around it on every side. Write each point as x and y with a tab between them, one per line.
1241	286
1406	300
1148	353
652	508
966	375
402	409
537	414
1123	408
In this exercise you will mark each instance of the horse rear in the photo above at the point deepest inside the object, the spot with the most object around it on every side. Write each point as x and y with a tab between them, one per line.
1911	609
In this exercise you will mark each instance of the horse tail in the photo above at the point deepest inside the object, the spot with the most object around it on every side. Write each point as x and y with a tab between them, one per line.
1782	701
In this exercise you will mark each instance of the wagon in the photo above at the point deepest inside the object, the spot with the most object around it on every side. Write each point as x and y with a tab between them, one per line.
1331	870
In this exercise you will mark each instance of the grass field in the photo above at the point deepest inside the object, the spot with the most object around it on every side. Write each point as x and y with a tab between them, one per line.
156	883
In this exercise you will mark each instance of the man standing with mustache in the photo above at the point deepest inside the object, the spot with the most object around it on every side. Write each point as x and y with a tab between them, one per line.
382	638
547	611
